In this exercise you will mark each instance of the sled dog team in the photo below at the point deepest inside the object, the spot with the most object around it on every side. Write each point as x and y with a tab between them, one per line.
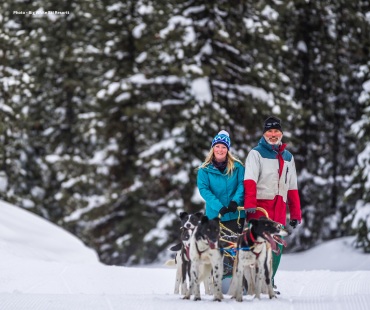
265	185
199	258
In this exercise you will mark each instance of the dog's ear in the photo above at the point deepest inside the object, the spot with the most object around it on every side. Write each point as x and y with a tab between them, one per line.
199	214
217	219
183	214
204	219
176	247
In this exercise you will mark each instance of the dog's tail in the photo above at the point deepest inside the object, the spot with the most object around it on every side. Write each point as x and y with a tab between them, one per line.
170	263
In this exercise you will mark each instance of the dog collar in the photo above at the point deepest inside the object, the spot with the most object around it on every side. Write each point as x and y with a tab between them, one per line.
248	235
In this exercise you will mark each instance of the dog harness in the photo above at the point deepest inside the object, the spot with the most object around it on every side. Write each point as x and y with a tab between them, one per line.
250	239
199	251
187	252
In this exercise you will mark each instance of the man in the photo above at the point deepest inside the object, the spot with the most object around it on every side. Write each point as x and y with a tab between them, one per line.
270	181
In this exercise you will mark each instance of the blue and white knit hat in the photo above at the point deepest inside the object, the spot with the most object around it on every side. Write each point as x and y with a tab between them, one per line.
222	137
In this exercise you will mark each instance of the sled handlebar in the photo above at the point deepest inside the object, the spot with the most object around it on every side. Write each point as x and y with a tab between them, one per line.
241	208
257	209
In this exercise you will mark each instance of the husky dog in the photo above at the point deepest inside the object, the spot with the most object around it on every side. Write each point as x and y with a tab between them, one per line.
190	221
206	258
253	260
188	224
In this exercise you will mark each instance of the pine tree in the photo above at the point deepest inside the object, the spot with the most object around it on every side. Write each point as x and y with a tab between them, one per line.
324	40
58	54
132	115
358	194
16	91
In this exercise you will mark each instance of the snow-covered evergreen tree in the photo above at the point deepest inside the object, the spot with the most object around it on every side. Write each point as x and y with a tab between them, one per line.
324	53
18	177
359	191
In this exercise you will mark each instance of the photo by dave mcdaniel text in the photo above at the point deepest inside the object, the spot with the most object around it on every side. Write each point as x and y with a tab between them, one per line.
42	12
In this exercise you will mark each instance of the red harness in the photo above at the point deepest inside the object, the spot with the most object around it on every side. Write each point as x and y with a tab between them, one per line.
251	241
187	252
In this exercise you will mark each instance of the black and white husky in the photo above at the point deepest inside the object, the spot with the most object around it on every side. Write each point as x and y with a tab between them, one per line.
253	260
190	221
206	258
182	260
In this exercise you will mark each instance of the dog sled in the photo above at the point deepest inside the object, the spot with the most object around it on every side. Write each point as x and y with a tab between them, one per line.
228	242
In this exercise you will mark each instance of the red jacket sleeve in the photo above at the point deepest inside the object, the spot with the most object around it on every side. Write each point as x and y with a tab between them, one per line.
294	205
250	194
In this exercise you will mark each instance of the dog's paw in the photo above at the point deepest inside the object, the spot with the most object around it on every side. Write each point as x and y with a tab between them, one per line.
274	294
218	297
186	297
197	298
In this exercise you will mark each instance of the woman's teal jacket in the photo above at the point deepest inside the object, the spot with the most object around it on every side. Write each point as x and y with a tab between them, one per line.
218	189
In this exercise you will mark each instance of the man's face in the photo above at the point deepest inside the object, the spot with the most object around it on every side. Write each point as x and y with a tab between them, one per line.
273	136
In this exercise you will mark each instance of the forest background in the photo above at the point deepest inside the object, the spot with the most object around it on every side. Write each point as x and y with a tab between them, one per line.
108	107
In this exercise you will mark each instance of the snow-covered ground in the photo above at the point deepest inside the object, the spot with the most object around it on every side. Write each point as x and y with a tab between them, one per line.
44	267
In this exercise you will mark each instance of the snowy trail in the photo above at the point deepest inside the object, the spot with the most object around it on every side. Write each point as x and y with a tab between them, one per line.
96	286
42	267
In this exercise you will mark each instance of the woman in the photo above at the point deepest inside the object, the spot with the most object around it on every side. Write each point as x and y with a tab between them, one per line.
220	183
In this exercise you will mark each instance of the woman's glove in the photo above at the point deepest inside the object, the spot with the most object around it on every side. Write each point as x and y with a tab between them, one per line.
233	206
223	211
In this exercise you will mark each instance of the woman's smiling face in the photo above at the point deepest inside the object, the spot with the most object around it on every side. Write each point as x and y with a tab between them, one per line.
220	152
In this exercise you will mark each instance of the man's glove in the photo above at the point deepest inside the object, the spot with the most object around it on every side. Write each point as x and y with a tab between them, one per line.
250	210
293	223
223	211
233	206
